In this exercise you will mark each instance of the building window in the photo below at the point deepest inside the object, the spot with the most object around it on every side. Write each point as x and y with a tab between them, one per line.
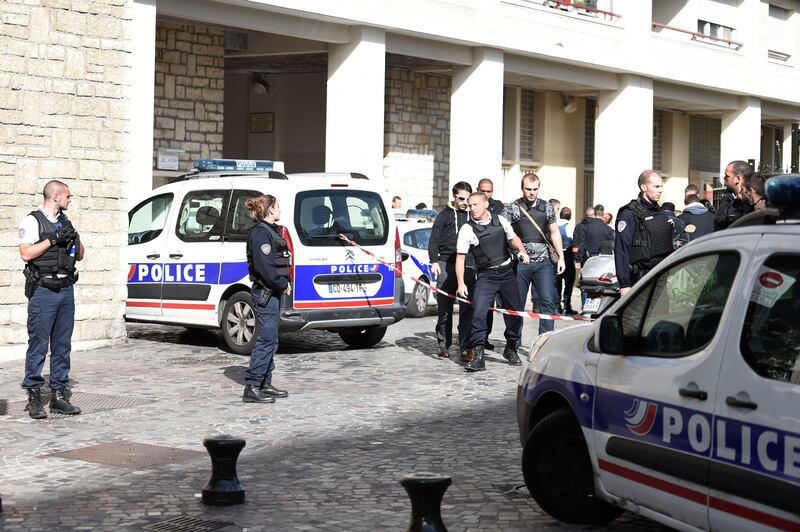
779	42
658	140
526	125
714	30
704	135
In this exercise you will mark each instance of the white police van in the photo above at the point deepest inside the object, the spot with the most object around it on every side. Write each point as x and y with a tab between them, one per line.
187	263
415	232
682	403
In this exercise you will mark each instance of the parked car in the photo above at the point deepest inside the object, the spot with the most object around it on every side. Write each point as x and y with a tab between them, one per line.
414	236
187	262
681	402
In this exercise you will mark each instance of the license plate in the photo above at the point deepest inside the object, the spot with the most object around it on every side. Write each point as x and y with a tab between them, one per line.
592	305
347	288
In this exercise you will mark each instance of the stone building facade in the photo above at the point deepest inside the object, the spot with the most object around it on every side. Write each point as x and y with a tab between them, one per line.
64	114
417	136
189	91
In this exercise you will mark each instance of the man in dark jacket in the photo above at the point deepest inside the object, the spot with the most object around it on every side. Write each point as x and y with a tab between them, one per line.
733	206
698	219
442	256
592	234
496	208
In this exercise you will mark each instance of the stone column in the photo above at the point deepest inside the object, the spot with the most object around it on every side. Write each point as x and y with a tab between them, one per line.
355	104
623	145
786	147
142	83
476	119
741	133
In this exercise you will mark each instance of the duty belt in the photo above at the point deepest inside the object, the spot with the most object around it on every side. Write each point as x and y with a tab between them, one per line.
498	269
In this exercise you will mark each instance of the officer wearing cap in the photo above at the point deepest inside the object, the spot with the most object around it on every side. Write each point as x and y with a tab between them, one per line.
268	262
50	246
644	233
487	238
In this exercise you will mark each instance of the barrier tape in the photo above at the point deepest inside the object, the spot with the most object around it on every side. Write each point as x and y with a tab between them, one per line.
518	313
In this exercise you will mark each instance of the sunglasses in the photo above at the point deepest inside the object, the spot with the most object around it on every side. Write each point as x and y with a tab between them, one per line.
462	198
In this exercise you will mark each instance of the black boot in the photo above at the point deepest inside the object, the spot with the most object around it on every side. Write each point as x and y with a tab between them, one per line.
510	354
59	404
253	394
488	346
477	363
35	406
271	391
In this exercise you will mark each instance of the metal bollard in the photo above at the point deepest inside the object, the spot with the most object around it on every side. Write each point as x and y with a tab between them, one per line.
426	491
224	488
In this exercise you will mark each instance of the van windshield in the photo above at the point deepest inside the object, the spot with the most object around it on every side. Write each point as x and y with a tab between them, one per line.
320	215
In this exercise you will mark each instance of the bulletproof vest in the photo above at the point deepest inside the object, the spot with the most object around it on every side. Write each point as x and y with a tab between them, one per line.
652	240
731	209
59	259
523	227
492	248
280	250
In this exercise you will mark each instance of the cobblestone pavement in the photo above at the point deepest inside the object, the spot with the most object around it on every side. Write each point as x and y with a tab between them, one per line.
327	458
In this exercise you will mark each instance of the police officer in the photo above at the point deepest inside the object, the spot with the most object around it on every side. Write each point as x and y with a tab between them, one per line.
593	234
442	256
50	246
268	263
644	233
496	208
732	207
486	237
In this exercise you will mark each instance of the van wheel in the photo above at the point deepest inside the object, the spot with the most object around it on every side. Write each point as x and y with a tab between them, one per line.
418	302
239	324
363	338
558	472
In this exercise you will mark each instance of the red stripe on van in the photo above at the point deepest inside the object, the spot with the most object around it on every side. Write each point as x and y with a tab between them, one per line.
189	306
148	304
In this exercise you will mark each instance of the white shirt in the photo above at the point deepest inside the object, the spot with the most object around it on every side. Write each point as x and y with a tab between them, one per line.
29	227
569	229
467	238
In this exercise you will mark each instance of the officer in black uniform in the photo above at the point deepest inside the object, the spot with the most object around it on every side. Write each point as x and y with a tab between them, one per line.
268	262
487	238
50	246
733	205
644	233
496	208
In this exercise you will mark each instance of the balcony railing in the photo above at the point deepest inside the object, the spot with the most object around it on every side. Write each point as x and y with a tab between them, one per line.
701	37
585	8
779	56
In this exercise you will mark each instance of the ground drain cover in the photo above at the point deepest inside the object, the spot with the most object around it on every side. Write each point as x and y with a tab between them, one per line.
128	454
187	524
514	491
218	360
88	403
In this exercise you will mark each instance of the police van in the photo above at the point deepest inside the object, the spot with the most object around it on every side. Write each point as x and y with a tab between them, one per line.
187	263
682	403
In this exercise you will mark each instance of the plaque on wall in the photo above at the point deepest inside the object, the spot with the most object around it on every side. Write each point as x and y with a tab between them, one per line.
262	122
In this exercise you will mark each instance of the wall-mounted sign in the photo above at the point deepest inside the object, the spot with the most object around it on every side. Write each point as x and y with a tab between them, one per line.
262	122
168	159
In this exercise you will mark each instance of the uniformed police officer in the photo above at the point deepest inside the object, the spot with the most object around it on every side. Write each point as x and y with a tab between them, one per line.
268	263
733	205
487	237
644	233
50	246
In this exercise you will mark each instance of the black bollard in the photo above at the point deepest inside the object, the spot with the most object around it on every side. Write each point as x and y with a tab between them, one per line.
426	491
224	488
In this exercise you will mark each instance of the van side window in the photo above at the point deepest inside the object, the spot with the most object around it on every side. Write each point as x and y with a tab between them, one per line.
321	215
771	334
146	221
678	312
239	223
201	216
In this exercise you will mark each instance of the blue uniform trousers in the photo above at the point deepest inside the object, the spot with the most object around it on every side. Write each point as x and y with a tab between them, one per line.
448	282
51	318
543	277
491	283
261	359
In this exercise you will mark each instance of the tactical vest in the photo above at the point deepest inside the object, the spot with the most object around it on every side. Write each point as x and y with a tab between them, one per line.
652	240
280	250
57	261
523	227
492	248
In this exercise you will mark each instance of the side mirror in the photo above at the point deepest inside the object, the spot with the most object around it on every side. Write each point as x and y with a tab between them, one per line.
610	335
404	254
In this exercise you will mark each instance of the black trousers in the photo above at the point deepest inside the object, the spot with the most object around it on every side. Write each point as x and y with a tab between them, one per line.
490	284
566	281
444	324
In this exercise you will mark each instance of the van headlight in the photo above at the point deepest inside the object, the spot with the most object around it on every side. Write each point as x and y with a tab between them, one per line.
538	344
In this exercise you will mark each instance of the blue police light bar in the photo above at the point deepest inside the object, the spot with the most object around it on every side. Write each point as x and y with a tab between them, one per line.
783	191
237	165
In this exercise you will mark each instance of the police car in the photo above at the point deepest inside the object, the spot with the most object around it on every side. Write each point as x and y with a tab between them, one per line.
682	403
415	232
187	263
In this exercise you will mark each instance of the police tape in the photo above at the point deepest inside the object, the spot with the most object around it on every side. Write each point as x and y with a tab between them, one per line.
518	313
